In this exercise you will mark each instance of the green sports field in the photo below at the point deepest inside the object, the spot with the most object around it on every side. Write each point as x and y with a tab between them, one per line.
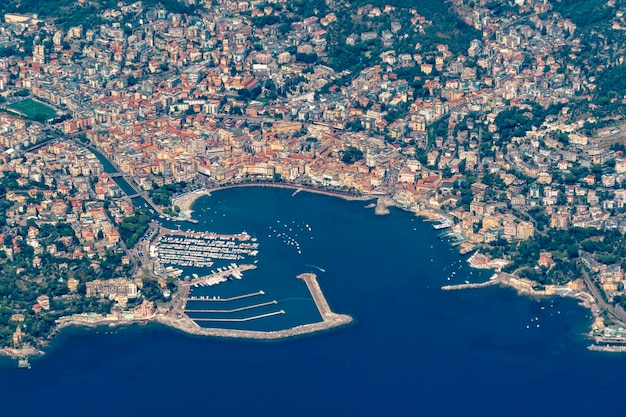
34	109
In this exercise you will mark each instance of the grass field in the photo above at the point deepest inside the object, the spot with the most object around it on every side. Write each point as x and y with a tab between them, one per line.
34	109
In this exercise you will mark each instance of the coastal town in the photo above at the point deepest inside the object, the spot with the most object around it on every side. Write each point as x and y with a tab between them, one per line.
507	132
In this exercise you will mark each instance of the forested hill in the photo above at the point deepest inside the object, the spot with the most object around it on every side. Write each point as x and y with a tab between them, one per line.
601	28
588	13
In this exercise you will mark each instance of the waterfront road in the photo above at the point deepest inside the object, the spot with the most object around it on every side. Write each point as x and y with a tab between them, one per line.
616	314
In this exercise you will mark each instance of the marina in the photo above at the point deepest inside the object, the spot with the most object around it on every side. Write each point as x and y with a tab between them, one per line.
202	315
219	276
204	308
201	250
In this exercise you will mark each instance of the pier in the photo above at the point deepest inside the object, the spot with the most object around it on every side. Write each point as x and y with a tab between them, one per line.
260	316
444	223
234	310
218	277
445	233
239	297
489	283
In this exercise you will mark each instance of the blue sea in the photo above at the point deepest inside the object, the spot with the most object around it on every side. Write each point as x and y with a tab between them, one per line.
413	349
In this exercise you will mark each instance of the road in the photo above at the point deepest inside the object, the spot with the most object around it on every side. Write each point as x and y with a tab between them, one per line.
617	314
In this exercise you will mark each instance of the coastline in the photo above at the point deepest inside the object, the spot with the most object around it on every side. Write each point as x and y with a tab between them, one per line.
186	201
382	206
188	326
182	322
330	319
15	353
525	287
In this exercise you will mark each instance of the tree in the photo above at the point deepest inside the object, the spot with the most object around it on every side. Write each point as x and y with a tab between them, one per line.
351	155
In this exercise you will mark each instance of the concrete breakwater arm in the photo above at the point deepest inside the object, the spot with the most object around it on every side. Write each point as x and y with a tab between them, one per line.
318	297
329	320
493	281
468	286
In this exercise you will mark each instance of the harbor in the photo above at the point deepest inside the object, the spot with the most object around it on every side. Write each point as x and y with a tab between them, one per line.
201	250
237	309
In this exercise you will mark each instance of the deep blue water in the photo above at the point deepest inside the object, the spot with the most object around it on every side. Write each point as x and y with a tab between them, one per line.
413	350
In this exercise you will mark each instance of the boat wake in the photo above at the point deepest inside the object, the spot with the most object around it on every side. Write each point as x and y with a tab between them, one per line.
316	267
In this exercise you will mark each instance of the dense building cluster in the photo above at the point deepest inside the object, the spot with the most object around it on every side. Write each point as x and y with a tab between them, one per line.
484	133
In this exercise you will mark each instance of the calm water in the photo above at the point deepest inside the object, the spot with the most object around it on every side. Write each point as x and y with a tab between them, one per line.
414	350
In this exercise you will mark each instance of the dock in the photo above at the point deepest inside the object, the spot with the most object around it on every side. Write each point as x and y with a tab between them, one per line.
444	223
239	297
201	250
218	277
234	310
260	316
445	233
243	236
466	286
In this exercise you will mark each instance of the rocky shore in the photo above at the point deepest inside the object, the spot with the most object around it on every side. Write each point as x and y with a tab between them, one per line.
183	323
24	351
382	206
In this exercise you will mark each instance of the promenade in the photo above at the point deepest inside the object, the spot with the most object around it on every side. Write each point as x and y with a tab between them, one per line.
186	200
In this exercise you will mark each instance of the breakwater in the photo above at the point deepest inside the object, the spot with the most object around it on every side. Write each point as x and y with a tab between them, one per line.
330	319
470	285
